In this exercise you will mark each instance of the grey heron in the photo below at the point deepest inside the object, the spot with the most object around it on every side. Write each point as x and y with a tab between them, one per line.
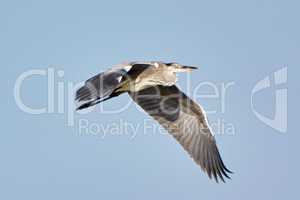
152	86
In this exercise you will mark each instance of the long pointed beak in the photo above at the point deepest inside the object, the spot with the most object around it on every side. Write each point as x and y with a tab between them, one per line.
186	68
189	67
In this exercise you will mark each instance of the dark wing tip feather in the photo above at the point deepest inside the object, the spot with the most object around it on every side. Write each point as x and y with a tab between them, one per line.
83	106
88	104
84	93
218	168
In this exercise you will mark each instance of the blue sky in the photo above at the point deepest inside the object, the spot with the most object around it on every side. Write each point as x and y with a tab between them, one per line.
238	42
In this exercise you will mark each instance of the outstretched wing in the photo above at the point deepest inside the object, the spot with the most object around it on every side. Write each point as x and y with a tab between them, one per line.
186	121
103	85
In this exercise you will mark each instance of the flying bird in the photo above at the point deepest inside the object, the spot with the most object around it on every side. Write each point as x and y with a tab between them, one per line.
152	86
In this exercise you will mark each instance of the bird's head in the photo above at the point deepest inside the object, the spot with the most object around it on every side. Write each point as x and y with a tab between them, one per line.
175	67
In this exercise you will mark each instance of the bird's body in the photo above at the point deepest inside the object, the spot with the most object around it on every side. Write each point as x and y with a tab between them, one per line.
152	86
156	74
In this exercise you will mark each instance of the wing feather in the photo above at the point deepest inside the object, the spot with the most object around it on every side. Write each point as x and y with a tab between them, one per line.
102	86
186	121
